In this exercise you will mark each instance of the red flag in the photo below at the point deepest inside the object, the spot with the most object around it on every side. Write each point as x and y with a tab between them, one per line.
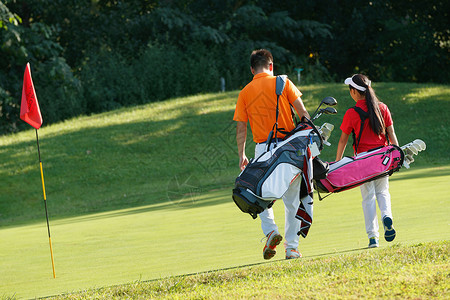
29	107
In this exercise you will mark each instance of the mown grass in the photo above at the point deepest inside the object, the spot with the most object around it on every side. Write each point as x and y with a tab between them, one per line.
203	232
419	271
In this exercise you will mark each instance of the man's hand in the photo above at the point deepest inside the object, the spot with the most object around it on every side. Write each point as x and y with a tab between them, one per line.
243	162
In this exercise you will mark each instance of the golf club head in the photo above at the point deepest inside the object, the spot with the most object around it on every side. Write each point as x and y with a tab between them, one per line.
325	130
421	144
409	159
414	148
406	163
328	126
329	111
409	149
330	101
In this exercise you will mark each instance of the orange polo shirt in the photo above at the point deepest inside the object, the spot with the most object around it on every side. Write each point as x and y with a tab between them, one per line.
257	102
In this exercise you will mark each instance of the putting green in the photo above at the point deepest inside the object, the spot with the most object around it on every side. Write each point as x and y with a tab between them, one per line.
200	232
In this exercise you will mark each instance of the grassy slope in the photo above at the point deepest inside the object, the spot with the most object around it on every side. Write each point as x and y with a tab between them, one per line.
148	171
143	155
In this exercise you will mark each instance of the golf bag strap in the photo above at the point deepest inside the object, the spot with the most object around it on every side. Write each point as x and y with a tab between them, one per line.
280	84
363	115
279	88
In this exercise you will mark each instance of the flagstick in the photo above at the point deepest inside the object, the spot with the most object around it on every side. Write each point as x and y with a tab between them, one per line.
45	204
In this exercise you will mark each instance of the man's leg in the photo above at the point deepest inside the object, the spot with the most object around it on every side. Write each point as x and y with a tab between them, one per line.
268	226
268	221
267	217
292	225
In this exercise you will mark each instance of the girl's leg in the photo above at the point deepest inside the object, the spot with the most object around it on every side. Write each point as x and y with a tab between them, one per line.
383	197
370	209
384	203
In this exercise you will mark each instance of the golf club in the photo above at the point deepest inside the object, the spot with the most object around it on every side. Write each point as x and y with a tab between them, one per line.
330	101
326	111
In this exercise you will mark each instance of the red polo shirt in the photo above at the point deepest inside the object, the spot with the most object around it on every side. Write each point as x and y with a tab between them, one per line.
369	139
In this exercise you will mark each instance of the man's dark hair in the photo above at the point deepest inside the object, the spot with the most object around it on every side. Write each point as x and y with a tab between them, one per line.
261	58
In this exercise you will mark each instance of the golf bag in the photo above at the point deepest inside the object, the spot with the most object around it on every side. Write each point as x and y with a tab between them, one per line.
351	172
268	177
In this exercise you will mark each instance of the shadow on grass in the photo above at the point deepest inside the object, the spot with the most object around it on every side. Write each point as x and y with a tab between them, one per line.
210	198
147	165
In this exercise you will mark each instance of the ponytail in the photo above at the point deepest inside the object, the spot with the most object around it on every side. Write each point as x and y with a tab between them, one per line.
376	121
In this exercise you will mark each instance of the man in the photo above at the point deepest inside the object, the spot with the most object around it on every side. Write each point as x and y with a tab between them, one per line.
257	103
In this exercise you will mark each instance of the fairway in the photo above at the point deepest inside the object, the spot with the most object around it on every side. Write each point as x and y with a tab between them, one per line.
202	232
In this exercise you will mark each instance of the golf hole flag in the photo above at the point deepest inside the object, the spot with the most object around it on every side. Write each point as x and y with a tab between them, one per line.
29	107
30	113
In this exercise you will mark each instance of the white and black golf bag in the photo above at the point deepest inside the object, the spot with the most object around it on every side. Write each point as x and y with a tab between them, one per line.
267	177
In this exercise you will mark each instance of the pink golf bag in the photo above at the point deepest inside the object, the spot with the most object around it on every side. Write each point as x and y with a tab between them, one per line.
351	172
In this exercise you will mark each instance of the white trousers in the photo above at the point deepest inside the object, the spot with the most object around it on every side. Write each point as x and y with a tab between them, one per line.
373	192
291	200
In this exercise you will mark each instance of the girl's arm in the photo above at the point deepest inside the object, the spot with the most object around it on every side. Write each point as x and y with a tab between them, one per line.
391	134
341	146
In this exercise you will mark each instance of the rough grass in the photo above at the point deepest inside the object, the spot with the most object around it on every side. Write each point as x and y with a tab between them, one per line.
420	271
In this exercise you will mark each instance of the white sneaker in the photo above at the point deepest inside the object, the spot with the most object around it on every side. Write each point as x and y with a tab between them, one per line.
292	253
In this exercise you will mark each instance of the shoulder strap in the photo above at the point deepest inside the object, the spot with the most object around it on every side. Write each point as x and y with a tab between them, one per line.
279	87
363	115
281	83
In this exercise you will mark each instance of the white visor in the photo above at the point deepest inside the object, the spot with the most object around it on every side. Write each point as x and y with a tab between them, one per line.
349	81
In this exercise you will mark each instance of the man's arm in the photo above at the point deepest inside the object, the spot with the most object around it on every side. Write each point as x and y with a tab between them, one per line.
300	108
241	136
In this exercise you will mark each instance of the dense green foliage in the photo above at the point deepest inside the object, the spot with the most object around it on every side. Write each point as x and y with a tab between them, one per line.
95	55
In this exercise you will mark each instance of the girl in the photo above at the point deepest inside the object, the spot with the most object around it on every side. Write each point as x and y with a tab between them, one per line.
376	128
